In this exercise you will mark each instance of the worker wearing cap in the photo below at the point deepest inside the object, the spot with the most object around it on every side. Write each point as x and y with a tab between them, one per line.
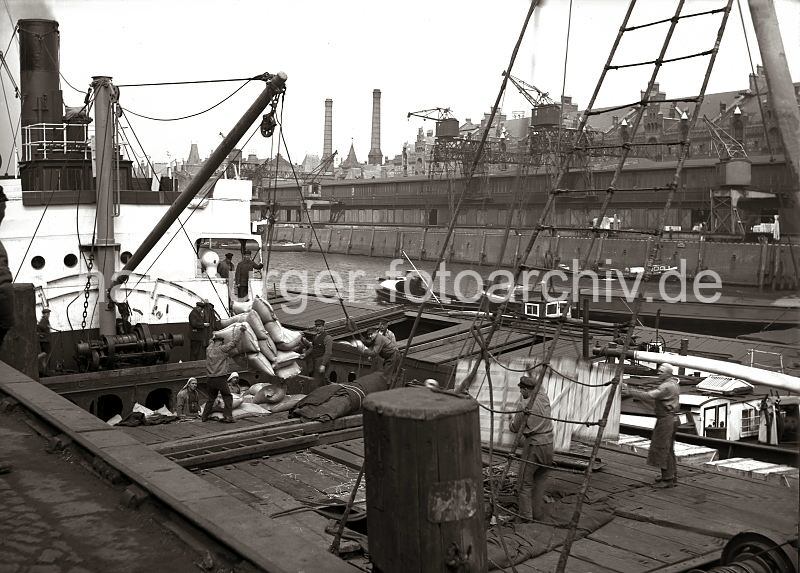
318	352
219	368
383	328
666	403
43	331
243	270
537	450
204	321
379	346
226	267
187	403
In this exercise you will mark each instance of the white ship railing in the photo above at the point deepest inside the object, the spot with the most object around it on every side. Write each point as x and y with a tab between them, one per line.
42	140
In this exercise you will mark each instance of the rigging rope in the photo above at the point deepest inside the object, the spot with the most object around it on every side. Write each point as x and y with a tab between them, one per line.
468	179
219	103
564	76
54	62
350	324
219	175
181	223
188	82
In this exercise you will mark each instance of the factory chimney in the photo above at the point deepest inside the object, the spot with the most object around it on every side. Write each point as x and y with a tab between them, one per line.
327	141
39	49
375	157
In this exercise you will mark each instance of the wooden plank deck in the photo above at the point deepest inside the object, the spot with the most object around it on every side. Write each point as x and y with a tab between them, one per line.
650	528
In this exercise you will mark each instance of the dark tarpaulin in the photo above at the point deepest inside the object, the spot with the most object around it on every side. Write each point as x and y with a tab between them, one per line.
334	401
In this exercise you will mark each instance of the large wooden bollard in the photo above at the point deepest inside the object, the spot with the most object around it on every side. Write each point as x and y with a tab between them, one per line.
424	482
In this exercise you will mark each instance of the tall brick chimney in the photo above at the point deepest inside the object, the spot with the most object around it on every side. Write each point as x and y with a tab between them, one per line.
327	142
375	157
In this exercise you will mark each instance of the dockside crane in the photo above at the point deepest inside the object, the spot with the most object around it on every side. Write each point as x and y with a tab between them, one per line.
435	113
530	92
735	170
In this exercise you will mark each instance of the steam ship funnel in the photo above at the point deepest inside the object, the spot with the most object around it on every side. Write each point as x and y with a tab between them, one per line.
375	157
39	43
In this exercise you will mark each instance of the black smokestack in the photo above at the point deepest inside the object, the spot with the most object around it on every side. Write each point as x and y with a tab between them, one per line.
39	44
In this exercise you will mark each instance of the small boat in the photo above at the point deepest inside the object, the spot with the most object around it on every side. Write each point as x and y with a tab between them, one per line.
412	291
286	246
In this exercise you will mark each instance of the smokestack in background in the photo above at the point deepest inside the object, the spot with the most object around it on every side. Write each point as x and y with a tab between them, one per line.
375	157
327	141
39	45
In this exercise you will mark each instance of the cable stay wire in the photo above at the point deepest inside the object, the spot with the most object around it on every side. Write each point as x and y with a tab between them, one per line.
219	103
349	321
182	223
190	82
54	62
467	186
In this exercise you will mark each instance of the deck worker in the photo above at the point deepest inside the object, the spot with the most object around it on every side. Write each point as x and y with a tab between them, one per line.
187	404
666	401
243	275
377	345
219	365
226	267
537	451
318	352
203	321
43	331
6	290
6	299
383	328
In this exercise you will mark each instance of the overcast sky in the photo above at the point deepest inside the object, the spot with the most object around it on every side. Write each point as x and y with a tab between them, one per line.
446	53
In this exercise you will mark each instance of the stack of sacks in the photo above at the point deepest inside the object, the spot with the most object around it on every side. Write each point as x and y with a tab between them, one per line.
272	396
242	406
269	347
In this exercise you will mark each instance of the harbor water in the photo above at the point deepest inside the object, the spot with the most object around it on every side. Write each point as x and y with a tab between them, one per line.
357	276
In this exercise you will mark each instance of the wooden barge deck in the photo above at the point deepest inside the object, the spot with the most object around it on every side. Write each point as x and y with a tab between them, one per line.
271	479
646	529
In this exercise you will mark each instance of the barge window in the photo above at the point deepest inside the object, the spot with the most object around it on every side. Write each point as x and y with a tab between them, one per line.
37	262
70	260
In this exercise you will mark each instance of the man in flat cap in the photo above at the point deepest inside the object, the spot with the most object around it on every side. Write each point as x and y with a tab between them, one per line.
537	450
226	267
318	352
666	403
204	321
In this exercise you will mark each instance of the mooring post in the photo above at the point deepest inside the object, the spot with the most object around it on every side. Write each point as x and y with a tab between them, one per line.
424	481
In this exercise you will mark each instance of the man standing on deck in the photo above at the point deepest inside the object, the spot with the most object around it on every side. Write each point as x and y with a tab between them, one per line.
537	450
203	321
243	275
219	365
377	345
6	299
666	399
226	267
318	351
